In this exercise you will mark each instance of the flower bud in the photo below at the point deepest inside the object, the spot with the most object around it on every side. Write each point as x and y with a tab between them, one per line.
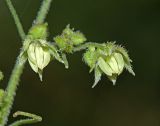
39	31
116	63
68	39
38	56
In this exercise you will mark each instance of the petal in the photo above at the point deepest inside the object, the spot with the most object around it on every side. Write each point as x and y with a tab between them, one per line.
33	66
31	53
104	67
39	56
113	64
46	57
120	62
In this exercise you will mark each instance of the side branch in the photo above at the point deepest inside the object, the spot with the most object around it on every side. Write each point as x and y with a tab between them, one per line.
86	45
16	19
32	118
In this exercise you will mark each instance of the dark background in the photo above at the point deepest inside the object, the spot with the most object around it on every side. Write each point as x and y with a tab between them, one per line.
65	97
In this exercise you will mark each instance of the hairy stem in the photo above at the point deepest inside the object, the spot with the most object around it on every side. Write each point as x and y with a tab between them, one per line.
11	90
32	118
86	45
16	19
20	63
42	13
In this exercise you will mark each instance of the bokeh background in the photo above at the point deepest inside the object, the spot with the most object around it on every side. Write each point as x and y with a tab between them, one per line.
65	97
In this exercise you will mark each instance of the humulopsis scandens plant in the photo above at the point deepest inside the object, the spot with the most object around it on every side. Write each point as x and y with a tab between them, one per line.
109	59
105	58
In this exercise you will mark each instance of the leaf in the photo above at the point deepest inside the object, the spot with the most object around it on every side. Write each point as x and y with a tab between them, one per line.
54	52
65	60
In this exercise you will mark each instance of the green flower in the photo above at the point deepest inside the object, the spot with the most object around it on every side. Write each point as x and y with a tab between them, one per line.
37	50
69	39
40	53
110	60
38	56
39	31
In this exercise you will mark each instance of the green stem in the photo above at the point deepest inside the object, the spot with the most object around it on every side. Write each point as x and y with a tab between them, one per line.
16	19
42	13
86	45
11	90
32	118
18	68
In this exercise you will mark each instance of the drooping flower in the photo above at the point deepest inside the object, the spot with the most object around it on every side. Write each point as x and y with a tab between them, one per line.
37	50
110	60
38	56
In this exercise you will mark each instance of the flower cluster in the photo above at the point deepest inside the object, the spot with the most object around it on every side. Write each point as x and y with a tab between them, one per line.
109	59
69	39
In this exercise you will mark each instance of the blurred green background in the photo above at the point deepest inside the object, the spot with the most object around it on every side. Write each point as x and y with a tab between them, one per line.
65	97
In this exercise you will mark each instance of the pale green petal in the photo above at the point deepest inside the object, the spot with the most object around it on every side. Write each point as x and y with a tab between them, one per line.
104	67
120	62
39	56
33	66
113	64
31	53
46	58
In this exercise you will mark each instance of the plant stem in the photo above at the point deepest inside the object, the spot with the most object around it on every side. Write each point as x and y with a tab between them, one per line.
32	118
16	19
86	45
11	90
20	63
42	13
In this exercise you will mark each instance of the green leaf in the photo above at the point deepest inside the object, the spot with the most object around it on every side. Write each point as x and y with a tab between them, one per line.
65	60
54	53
